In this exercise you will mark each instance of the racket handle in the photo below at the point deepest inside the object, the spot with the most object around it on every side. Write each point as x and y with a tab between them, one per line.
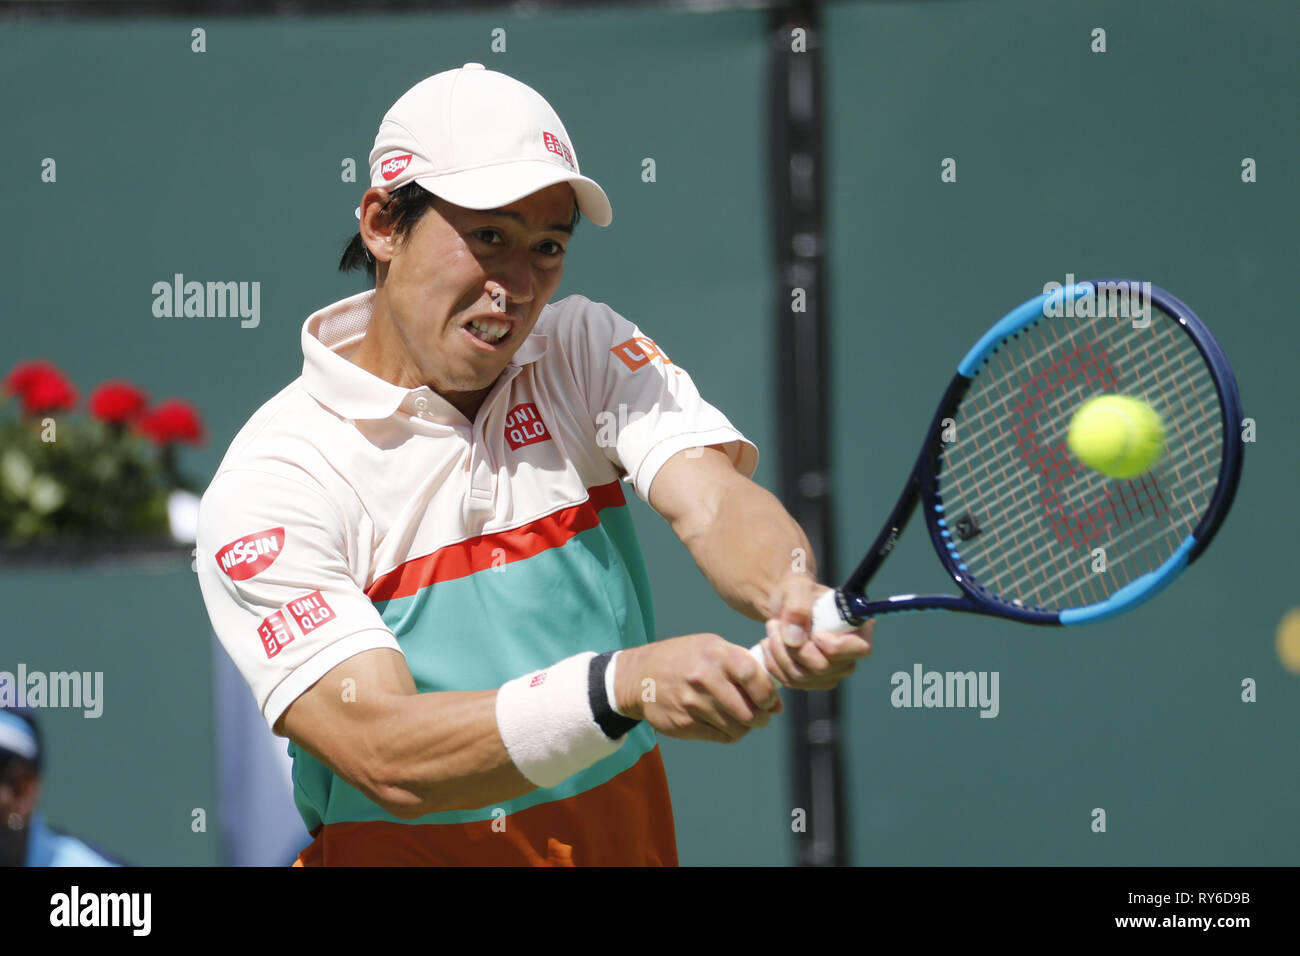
825	617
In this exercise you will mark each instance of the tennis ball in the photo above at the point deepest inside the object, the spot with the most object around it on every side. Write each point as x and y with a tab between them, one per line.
1120	437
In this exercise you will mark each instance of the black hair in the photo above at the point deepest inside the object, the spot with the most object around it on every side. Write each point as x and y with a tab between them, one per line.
405	208
8	759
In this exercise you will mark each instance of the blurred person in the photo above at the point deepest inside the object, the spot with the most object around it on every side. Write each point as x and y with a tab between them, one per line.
25	838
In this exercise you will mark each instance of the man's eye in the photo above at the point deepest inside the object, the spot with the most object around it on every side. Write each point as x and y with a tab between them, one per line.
491	236
551	248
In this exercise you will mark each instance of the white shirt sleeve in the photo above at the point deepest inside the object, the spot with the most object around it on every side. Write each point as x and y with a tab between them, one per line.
645	406
273	567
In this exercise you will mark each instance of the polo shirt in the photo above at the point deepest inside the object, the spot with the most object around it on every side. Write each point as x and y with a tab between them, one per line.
351	513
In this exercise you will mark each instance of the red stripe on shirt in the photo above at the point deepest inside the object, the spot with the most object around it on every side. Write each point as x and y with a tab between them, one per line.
478	554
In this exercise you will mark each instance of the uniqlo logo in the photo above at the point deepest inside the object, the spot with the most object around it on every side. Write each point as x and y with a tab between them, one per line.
538	679
638	351
525	427
311	611
275	634
393	167
557	146
244	557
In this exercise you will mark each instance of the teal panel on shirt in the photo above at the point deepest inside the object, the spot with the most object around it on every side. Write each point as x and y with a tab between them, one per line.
479	631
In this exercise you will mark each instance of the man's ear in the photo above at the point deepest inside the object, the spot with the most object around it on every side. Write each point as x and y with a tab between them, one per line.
376	227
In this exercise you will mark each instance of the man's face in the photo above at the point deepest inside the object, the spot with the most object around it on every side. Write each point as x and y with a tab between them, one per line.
20	788
464	289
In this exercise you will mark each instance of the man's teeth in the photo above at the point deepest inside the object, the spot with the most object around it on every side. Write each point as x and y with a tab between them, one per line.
489	331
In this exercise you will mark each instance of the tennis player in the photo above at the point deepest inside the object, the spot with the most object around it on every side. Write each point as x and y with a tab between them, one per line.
419	552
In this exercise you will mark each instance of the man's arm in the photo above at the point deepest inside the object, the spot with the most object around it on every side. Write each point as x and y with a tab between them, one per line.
758	559
742	538
414	753
410	753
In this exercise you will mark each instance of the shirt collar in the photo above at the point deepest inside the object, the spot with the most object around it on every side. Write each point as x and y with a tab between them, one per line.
331	333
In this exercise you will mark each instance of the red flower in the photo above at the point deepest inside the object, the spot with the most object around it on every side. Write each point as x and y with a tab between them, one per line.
50	395
41	386
117	402
27	374
172	421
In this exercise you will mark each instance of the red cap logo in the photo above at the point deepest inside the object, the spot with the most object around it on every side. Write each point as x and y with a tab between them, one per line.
559	147
394	166
251	554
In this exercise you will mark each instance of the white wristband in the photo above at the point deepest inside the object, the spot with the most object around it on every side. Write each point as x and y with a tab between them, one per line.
546	722
609	684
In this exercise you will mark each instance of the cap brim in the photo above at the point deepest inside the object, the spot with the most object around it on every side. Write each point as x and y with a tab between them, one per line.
491	187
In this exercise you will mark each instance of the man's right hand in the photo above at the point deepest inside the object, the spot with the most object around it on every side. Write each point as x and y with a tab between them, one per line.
697	687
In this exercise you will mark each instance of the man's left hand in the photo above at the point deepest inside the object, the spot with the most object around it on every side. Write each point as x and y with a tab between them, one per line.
809	661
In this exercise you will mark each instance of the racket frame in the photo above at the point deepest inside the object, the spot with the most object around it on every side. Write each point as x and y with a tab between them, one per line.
922	488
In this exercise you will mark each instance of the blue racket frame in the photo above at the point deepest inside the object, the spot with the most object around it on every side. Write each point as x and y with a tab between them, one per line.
922	488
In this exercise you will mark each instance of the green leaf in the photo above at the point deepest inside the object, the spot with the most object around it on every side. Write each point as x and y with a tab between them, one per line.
104	467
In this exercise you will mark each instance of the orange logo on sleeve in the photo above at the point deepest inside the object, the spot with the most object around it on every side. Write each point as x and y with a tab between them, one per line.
637	351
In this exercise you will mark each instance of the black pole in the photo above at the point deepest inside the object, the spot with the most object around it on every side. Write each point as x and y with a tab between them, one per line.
796	174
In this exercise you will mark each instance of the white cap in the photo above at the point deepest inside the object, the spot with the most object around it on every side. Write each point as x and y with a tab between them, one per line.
16	736
479	139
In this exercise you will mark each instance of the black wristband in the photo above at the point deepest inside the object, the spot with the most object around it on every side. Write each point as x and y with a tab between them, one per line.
614	724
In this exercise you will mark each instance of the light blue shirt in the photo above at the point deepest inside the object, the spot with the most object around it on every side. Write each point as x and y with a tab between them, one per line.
48	848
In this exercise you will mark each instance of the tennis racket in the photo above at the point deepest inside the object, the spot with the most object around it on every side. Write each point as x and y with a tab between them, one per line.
1014	517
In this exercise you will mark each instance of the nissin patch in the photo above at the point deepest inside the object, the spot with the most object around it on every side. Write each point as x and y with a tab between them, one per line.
253	553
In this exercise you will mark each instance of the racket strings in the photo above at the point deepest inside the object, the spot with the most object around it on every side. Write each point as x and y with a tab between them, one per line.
1023	480
1133	523
1124	508
1049	579
1040	513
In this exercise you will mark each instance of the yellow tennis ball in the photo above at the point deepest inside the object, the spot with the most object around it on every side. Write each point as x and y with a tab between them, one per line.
1120	437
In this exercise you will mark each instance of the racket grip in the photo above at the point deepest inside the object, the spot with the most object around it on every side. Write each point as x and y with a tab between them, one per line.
826	613
825	617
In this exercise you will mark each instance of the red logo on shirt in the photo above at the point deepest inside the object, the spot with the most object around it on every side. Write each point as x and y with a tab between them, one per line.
557	146
275	634
537	679
311	611
637	351
251	554
525	427
393	167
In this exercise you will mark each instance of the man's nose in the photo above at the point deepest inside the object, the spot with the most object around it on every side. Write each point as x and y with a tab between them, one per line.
512	279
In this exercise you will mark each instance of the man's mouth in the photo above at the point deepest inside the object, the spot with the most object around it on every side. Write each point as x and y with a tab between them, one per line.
491	331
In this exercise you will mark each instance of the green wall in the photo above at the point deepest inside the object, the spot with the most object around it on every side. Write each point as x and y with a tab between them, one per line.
225	165
1126	162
